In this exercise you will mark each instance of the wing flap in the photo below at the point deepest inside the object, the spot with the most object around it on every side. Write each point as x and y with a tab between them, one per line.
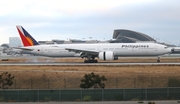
76	50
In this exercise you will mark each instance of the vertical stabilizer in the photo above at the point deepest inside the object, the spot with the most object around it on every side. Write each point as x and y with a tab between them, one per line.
26	38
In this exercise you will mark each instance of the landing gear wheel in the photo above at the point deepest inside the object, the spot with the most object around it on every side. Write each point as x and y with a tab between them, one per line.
158	60
90	61
85	61
95	61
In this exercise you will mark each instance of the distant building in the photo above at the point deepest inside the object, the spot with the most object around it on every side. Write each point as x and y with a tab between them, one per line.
5	45
56	41
119	36
45	42
15	42
71	41
42	42
129	36
1	48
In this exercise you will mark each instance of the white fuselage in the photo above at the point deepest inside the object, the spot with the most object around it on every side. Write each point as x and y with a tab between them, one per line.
119	49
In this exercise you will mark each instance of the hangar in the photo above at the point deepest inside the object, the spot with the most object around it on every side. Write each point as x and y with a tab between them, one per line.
129	36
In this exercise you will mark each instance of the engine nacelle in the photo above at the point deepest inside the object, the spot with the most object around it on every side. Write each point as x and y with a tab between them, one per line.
108	55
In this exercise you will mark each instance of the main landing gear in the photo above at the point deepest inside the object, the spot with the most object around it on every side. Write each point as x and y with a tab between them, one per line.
90	60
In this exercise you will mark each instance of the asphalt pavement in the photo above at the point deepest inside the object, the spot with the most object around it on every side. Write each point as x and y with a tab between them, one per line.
99	102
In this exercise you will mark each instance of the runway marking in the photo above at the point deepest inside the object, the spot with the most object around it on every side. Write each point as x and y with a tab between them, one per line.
79	64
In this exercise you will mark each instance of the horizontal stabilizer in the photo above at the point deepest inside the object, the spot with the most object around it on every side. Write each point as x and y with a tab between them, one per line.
25	49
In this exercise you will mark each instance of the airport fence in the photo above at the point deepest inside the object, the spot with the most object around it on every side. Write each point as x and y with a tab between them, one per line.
90	95
66	83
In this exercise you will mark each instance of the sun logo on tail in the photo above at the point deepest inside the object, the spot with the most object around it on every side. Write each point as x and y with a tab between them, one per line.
26	38
30	41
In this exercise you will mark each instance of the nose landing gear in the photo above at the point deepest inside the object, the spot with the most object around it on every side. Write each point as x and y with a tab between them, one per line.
158	60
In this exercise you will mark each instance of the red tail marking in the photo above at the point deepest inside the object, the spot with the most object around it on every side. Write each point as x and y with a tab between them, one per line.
24	40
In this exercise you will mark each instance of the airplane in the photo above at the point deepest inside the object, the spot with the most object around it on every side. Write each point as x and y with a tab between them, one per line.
103	51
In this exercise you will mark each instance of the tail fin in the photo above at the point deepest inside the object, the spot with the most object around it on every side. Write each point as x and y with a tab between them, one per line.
26	38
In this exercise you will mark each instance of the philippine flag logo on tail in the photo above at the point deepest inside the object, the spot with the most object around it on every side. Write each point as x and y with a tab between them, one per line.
26	38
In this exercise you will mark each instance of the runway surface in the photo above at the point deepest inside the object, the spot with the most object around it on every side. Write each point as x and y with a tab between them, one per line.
100	102
33	61
79	63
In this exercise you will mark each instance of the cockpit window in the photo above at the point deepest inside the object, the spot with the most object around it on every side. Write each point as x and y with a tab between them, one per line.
165	47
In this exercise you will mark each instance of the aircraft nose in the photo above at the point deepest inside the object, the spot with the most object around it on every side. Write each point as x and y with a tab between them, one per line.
171	50
168	50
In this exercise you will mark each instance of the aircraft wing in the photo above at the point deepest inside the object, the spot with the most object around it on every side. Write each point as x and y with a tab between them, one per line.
82	50
24	49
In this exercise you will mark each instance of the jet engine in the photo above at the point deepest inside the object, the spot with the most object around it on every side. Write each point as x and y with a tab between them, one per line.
108	55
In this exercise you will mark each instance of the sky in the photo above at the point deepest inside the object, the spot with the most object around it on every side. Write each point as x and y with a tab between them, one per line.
90	19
